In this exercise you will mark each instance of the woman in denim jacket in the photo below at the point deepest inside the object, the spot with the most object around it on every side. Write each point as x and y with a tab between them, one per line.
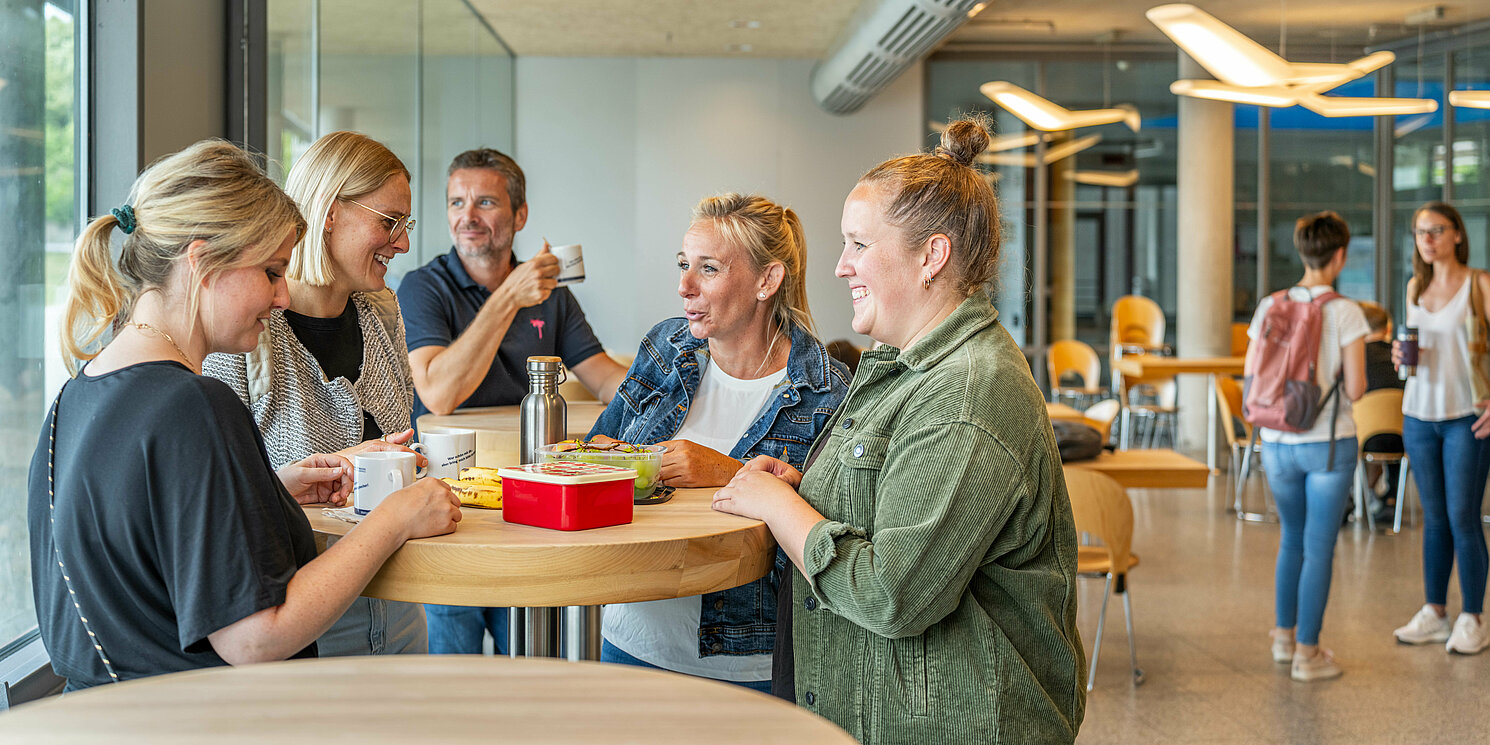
740	375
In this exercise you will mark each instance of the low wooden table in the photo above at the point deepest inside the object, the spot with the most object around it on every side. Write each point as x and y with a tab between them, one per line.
1062	411
498	429
1153	469
676	549
405	699
1139	366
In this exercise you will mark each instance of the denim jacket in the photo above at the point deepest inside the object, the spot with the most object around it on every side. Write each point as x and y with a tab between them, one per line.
650	407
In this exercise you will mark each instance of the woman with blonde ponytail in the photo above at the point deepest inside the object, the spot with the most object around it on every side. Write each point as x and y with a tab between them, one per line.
162	539
744	376
934	592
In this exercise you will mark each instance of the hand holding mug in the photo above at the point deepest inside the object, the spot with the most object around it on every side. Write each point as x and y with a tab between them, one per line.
379	475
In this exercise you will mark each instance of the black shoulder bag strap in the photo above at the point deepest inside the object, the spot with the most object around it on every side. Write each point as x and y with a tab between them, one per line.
57	550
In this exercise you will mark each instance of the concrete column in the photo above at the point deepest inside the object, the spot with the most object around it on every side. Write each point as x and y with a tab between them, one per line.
1205	263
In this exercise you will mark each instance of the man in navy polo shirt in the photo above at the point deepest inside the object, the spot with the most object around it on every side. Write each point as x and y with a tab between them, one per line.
473	317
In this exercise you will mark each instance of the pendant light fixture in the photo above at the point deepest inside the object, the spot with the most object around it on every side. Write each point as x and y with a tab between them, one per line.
1249	73
1470	99
1054	153
1042	114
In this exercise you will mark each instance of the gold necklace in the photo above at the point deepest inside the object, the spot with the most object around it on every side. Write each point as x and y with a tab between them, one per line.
167	337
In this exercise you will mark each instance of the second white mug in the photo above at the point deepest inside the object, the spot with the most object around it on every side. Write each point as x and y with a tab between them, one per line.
379	474
448	449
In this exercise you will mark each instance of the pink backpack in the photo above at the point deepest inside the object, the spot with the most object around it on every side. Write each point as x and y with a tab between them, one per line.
1280	389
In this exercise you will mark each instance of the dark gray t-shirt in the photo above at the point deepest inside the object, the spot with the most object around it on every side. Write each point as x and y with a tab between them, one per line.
170	520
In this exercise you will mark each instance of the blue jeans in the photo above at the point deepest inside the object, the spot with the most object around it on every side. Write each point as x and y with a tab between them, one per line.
614	654
1311	496
456	629
1450	466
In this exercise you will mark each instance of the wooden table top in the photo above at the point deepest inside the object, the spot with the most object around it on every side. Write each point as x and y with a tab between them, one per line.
1062	411
497	428
1155	469
1141	365
404	699
670	550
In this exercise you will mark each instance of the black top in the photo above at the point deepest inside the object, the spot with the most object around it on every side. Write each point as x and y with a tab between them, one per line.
170	520
1379	370
336	343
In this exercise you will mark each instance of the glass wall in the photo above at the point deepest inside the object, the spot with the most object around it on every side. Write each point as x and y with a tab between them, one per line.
39	199
428	79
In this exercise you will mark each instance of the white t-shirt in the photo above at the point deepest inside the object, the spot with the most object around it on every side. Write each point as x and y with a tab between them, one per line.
665	632
1344	324
1441	391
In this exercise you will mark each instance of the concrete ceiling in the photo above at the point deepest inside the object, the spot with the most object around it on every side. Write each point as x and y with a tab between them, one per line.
668	28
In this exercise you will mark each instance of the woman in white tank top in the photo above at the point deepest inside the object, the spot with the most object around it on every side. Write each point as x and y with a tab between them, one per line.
1444	430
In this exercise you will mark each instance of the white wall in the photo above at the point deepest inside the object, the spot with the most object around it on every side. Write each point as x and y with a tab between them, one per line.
617	152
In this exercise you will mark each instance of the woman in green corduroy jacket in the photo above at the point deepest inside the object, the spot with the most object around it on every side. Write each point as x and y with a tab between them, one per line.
935	593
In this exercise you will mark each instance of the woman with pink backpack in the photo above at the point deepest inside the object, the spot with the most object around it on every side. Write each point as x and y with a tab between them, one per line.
1306	363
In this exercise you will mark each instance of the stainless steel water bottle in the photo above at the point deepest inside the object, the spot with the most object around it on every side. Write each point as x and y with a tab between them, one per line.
543	415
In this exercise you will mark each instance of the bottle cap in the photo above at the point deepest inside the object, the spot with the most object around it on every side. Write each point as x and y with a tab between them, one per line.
544	364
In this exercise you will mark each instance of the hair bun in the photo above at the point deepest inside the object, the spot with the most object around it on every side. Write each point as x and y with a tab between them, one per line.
963	140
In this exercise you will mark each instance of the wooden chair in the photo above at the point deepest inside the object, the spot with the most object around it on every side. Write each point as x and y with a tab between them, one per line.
1239	339
1379	412
1229	404
1138	326
1101	509
1072	357
1101	415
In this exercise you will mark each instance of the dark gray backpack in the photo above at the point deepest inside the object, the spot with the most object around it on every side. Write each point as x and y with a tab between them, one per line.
1076	440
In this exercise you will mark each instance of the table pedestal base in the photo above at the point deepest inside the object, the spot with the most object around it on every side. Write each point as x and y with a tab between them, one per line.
571	633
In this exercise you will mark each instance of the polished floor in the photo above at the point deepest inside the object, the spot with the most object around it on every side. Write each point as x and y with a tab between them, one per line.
1203	605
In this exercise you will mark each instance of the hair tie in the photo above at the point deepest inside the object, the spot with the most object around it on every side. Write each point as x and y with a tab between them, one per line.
125	214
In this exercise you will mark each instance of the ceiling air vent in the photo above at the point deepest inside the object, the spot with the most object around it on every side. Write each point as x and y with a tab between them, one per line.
884	38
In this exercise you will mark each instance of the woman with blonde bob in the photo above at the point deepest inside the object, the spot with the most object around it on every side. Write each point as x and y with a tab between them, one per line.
935	597
739	375
330	373
162	538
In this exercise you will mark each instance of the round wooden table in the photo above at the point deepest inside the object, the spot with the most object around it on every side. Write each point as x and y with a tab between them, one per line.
403	699
497	428
674	549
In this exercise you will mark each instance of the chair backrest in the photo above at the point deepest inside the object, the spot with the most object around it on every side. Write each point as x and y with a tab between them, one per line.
1136	321
1100	507
1379	412
1072	356
1239	339
1102	414
1229	400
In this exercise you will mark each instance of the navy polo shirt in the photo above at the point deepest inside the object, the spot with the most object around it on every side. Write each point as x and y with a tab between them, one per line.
440	300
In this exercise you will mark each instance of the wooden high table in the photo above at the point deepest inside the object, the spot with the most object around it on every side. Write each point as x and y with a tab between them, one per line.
1149	469
1139	366
675	549
404	699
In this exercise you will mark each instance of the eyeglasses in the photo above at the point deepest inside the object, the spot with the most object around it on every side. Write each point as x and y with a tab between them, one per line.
396	225
1434	231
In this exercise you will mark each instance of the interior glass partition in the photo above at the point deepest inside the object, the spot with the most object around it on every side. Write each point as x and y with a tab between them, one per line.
427	78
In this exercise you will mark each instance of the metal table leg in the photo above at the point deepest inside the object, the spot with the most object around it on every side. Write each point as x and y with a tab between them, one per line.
580	631
1212	413
541	632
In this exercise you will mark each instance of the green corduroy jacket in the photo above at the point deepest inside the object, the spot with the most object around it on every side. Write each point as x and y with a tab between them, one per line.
939	603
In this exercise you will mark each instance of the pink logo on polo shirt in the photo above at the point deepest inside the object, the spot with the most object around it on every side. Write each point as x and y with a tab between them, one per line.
538	324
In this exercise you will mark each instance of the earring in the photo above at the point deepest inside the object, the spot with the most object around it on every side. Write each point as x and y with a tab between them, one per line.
926	281
761	295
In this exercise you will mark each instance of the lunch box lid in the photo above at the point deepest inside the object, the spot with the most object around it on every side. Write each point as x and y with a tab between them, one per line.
567	472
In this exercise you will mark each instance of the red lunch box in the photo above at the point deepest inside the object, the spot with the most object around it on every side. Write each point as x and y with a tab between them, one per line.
567	495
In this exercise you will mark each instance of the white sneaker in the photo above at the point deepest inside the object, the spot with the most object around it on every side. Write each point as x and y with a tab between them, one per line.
1469	637
1427	627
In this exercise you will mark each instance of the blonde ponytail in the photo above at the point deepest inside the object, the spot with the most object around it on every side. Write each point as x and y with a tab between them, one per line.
96	294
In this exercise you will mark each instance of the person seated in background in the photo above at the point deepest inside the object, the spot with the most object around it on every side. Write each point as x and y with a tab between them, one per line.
739	375
162	538
846	352
330	373
1381	373
473	317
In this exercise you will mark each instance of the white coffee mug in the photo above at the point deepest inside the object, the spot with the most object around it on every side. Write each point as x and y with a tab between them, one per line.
378	475
571	263
448	449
